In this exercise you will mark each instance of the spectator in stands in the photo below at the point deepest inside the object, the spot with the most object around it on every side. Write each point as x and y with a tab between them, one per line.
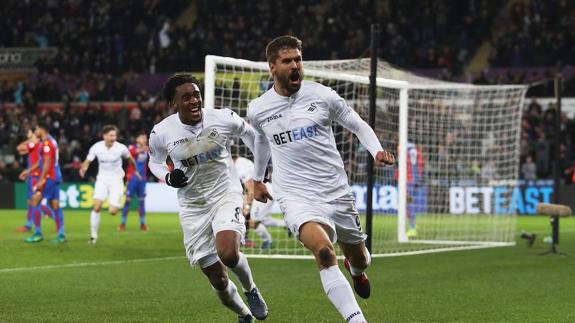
528	169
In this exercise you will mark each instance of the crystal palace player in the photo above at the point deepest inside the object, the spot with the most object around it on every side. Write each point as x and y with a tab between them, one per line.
210	196
31	175
48	185
416	191
137	184
293	120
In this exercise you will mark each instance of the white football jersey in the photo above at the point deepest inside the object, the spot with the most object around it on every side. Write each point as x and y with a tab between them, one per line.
109	159
307	164
202	151
244	168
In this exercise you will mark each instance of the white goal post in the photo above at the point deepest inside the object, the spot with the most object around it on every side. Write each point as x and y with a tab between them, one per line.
457	149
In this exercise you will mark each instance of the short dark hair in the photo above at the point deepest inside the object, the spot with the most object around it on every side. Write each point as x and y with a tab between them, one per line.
176	80
274	46
109	127
43	125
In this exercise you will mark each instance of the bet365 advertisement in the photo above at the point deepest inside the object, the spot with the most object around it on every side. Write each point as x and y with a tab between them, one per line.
72	196
521	199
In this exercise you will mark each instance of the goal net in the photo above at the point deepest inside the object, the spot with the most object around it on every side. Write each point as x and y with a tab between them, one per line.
457	147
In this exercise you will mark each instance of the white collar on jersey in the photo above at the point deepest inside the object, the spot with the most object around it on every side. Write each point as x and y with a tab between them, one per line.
197	128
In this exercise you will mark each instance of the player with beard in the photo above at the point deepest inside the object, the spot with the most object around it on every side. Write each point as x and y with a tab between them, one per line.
209	192
293	122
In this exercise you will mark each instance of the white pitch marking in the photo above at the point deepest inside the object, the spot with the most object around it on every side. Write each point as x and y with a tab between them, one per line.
88	264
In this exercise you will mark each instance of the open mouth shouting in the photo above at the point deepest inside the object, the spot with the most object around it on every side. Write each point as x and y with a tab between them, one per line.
295	78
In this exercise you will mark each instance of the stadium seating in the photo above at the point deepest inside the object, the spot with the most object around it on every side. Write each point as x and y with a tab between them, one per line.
122	51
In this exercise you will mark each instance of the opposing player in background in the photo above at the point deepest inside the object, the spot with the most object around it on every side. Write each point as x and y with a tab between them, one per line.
261	213
415	186
137	184
48	185
209	193
110	179
245	169
31	174
293	120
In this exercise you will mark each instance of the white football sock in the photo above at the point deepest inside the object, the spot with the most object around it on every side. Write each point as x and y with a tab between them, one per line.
244	273
231	299
340	294
94	223
263	233
357	271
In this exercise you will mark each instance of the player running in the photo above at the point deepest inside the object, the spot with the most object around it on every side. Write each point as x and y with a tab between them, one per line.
31	174
293	120
209	193
260	214
244	169
48	185
137	184
110	179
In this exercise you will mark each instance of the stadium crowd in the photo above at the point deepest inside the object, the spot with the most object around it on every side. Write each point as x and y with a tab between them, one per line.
537	33
103	45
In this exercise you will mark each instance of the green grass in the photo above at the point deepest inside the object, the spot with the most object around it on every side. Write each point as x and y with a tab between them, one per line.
491	285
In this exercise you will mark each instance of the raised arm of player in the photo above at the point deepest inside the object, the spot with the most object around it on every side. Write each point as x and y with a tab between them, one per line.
348	118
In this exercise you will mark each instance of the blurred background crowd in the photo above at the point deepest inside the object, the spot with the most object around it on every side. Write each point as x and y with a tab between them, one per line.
121	51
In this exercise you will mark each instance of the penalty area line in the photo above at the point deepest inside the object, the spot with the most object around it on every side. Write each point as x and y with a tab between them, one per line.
88	264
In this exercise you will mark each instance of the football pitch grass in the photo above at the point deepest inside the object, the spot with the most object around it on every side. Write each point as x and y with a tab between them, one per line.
144	277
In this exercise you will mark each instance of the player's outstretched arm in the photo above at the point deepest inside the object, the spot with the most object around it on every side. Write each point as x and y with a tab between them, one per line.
91	156
349	119
384	158
84	167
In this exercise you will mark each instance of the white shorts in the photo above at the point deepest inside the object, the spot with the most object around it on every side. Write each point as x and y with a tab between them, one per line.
201	224
109	189
340	215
